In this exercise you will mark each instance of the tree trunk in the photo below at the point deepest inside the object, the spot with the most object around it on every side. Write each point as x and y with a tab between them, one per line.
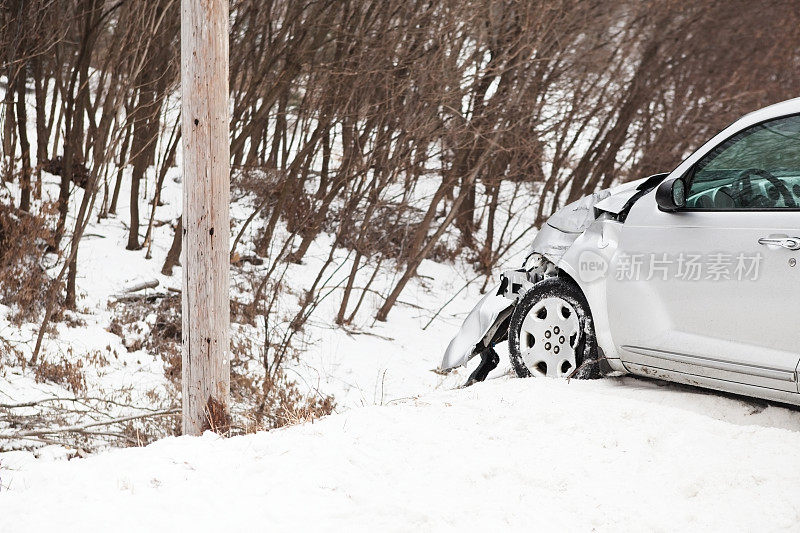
25	146
9	124
42	133
465	220
174	253
142	139
121	164
162	173
75	112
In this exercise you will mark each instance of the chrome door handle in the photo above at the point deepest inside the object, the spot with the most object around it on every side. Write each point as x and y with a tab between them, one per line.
791	243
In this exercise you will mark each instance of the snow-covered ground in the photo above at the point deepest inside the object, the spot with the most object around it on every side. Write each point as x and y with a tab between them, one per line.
509	454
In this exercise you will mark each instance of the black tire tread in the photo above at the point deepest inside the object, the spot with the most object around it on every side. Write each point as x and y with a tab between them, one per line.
562	287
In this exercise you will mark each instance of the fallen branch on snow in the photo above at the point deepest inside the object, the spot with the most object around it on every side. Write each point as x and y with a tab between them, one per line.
81	428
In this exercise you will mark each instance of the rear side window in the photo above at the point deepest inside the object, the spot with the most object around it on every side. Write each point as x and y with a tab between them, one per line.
758	168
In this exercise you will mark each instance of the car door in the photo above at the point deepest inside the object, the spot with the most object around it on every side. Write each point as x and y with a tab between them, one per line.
712	290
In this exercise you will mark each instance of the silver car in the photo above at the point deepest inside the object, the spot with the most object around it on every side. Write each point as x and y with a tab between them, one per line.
690	276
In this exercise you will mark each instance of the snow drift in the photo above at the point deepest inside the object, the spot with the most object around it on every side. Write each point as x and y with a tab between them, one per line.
616	454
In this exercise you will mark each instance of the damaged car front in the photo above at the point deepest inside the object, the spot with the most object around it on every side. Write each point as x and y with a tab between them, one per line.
573	247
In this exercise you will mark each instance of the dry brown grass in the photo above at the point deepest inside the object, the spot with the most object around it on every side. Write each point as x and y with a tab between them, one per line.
260	401
63	372
23	279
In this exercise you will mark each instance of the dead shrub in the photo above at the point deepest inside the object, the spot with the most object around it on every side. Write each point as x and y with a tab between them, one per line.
163	337
298	212
445	251
274	402
62	372
387	233
258	402
23	278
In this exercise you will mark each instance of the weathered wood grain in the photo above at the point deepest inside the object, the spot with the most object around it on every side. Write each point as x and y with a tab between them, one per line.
206	230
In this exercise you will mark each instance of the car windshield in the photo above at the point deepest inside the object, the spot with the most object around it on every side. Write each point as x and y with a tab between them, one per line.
759	167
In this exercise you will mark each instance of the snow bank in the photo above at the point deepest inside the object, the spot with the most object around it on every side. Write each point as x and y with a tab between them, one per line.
622	454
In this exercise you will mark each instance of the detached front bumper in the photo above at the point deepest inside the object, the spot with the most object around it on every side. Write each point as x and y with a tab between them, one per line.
488	321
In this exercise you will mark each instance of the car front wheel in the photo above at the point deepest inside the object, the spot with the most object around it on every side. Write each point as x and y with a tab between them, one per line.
551	333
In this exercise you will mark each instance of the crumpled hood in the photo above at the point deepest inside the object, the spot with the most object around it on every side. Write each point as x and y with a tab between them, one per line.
578	216
568	223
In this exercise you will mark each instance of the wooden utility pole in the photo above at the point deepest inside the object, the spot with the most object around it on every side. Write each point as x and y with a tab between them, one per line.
206	229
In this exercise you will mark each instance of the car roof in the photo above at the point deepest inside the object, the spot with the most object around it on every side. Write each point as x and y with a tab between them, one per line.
787	107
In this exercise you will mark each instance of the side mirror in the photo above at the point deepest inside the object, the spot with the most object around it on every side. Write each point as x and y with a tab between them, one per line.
671	195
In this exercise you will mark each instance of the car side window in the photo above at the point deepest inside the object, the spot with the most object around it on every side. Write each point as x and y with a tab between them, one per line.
758	168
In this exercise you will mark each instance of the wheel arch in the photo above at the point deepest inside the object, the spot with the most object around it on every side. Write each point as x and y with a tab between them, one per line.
597	245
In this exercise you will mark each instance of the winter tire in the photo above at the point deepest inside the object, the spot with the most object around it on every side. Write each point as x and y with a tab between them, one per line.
552	333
